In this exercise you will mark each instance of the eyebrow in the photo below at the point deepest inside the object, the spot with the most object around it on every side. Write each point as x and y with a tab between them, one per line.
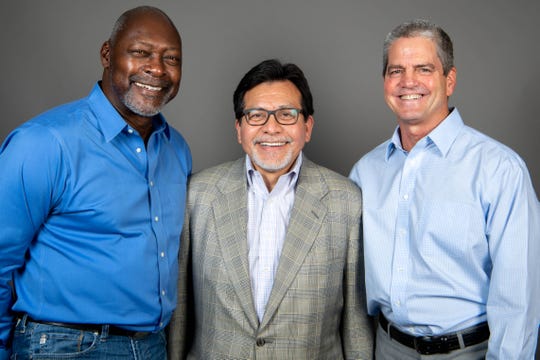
395	67
153	45
418	66
429	65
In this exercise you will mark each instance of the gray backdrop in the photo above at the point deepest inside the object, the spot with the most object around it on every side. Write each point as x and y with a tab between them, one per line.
50	55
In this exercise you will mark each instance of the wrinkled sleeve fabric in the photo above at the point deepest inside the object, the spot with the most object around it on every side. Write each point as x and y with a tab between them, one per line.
30	169
513	232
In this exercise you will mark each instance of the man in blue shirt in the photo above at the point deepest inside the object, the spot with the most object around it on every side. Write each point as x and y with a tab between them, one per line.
92	208
451	221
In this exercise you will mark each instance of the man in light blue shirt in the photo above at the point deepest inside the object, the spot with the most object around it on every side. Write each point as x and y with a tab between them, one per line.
93	197
451	221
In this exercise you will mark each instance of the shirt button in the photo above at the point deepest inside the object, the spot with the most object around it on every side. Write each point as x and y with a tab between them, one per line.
397	303
405	197
130	131
162	292
151	183
162	254
156	219
138	150
260	342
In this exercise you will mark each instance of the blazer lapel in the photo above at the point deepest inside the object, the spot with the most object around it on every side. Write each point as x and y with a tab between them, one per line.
231	213
307	216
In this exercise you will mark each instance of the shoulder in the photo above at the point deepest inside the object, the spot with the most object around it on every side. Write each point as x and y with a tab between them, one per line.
376	156
218	173
207	185
54	124
490	154
370	162
44	133
218	178
331	181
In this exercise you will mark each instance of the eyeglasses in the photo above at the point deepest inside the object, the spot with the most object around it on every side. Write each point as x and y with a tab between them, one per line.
259	117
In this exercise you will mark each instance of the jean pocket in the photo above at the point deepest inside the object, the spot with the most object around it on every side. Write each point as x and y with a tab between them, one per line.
40	341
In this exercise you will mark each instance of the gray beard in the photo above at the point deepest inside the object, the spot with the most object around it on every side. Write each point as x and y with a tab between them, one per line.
272	166
142	109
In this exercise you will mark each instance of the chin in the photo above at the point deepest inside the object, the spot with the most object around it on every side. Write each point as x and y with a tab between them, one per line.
273	166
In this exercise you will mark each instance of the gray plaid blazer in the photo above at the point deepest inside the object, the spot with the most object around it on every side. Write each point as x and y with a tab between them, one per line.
317	307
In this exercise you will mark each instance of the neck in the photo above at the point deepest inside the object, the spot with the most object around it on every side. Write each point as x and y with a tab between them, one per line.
270	180
143	125
410	135
411	132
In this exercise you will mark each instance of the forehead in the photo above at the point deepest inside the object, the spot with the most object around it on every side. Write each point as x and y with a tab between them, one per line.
153	28
278	93
413	49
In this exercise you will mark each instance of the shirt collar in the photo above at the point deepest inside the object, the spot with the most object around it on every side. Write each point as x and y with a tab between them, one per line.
443	136
109	120
292	174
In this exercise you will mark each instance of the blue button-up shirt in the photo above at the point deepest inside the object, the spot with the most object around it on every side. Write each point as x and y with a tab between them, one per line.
90	218
452	232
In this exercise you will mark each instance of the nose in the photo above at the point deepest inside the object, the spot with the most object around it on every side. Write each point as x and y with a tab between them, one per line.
155	66
272	125
408	78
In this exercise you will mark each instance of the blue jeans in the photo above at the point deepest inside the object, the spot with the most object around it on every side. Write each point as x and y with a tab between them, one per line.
39	341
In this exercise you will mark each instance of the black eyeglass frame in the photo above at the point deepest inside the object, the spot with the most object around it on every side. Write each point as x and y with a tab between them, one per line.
272	112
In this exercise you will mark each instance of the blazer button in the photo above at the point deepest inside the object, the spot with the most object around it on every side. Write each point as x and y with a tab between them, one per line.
260	342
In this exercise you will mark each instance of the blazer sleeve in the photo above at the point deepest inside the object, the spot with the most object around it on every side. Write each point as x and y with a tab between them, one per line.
179	336
357	326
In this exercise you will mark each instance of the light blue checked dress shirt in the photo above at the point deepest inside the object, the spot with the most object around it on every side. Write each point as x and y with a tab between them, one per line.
268	218
451	237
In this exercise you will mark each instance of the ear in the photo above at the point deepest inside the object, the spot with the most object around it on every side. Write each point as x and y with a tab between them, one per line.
451	81
237	125
105	54
309	127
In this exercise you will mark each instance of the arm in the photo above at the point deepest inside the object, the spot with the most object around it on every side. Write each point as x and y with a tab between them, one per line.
179	337
513	230
27	173
357	331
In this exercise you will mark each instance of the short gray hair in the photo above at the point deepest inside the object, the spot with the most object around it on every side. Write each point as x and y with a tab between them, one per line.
422	28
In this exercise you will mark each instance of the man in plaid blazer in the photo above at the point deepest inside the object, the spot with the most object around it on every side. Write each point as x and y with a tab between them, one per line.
271	260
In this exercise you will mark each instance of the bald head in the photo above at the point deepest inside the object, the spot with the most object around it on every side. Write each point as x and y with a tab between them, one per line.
131	15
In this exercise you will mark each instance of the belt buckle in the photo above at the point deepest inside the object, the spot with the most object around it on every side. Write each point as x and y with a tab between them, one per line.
137	335
429	345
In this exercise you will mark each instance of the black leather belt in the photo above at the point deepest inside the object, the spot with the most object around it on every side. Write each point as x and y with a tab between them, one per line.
113	330
440	344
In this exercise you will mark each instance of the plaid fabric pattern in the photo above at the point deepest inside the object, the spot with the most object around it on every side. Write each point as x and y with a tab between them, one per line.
316	308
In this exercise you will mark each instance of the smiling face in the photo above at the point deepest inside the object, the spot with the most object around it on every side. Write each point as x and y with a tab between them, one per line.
415	88
273	148
142	66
